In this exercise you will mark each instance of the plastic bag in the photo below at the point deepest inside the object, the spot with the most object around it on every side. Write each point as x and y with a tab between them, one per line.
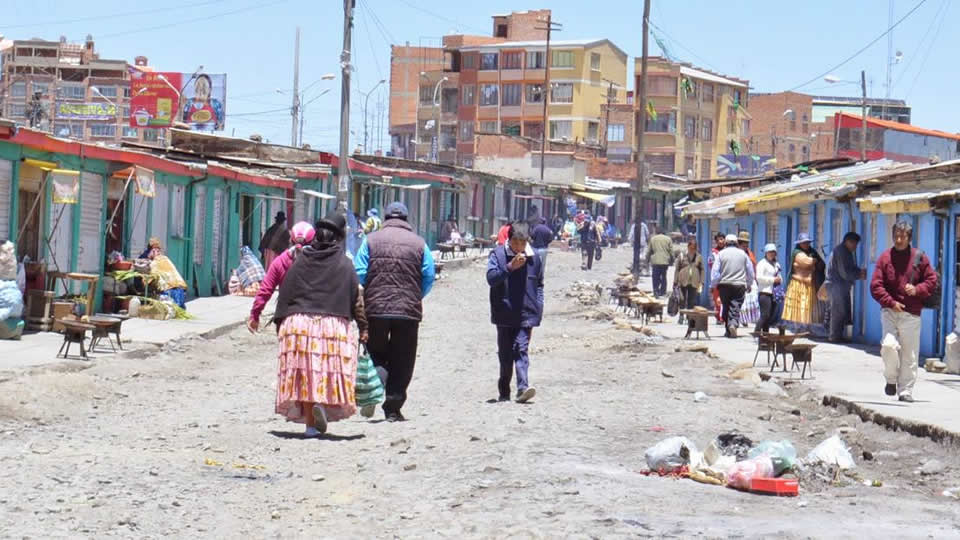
369	387
734	444
952	354
742	472
670	454
782	454
673	304
832	451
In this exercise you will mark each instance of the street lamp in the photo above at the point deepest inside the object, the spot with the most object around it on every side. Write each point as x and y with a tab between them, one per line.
366	101
299	105
833	79
436	112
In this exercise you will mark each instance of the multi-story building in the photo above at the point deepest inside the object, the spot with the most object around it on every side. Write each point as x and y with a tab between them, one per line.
894	110
619	128
701	126
498	85
68	90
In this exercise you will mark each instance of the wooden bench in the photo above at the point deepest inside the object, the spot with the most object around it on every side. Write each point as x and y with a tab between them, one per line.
74	332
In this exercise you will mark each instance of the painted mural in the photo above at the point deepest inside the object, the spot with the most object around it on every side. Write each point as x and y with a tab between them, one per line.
742	165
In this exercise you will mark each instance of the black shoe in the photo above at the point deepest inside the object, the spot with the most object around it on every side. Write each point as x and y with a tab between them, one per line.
501	399
395	417
890	389
907	398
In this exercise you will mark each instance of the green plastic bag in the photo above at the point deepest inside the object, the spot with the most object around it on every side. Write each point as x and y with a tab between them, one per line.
369	387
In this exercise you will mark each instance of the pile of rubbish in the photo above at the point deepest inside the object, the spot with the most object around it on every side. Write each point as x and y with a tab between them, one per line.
734	460
587	293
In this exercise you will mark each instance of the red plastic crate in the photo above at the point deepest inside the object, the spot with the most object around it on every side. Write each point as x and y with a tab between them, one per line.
788	487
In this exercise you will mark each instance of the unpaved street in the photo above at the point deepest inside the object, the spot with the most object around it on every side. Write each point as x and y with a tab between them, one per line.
185	443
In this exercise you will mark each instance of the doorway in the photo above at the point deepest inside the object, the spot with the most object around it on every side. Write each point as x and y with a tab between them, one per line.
28	242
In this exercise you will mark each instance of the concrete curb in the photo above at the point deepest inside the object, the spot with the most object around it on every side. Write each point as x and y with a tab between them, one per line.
917	429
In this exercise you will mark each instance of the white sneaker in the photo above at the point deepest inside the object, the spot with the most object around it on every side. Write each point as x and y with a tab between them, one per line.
367	411
319	418
311	432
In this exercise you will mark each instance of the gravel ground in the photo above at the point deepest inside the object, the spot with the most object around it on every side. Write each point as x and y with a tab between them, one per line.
184	443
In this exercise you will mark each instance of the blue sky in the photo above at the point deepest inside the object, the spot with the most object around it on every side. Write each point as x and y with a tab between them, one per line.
776	45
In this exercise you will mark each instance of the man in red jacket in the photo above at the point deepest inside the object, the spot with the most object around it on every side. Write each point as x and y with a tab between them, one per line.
901	281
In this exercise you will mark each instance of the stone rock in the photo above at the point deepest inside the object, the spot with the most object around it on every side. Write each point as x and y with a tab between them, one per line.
771	388
932	466
667	374
693	348
867	455
318	478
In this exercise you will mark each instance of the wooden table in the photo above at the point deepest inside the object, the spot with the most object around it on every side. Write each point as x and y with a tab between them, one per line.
73	332
445	248
91	280
700	321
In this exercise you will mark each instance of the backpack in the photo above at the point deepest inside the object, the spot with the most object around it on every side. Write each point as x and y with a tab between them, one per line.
932	301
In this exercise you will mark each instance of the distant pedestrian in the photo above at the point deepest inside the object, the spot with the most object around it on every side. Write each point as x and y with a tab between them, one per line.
731	274
302	235
750	311
503	232
638	239
718	244
557	226
769	279
689	276
396	269
515	276
373	222
902	280
266	249
661	257
318	299
806	276
541	238
589	240
842	273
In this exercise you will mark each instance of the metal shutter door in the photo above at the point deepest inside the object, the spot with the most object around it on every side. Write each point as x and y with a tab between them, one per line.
6	184
160	216
60	238
138	224
199	222
216	247
91	215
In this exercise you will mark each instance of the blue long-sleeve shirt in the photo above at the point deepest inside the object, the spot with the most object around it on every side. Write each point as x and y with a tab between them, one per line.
842	269
361	262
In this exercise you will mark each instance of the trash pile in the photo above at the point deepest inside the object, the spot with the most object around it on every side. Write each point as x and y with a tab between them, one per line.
587	293
734	460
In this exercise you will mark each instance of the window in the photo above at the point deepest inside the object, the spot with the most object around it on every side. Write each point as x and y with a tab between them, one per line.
805	123
108	91
43	88
469	61
129	132
706	129
666	122
511	128
426	94
489	126
126	91
489	94
793	121
466	131
595	61
501	30
535	60
690	127
126	112
805	152
707	93
738	98
152	135
744	128
562	59
488	61
534	130
562	93
662	86
615	133
469	94
513	60
561	129
535	93
705	169
511	94
18	89
793	155
593	131
68	130
71	92
17	110
692	87
103	130
688	167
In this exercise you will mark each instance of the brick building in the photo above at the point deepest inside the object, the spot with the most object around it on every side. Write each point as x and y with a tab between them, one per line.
43	80
619	129
782	128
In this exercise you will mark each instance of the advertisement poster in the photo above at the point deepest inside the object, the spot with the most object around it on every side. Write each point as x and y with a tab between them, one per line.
86	111
160	99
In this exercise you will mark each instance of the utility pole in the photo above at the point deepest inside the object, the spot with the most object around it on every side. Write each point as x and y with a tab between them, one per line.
606	122
343	168
863	127
295	109
641	127
883	109
550	28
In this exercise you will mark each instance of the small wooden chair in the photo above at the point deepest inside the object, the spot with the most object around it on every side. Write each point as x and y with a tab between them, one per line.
74	332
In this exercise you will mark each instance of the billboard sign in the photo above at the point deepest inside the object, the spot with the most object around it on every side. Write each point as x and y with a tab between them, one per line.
156	100
85	111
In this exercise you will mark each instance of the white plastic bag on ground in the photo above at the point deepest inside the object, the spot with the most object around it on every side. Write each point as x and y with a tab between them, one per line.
952	354
8	261
742	472
832	451
670	454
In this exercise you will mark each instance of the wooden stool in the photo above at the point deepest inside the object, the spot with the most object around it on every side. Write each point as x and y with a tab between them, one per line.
764	344
802	353
700	320
73	332
116	328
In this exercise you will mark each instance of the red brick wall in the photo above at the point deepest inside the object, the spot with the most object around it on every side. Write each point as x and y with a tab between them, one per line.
522	25
772	133
604	170
406	63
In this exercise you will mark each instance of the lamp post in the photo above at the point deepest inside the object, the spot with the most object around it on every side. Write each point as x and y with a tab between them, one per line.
366	101
299	105
436	112
833	79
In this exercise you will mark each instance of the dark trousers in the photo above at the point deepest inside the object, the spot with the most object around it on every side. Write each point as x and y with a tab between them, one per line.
731	297
660	279
689	301
393	348
769	312
587	251
512	346
839	312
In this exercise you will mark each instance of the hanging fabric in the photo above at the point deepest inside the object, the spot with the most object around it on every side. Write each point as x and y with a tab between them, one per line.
66	186
146	183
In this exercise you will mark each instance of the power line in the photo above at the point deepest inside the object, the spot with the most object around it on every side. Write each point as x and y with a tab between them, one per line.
373	50
927	55
684	47
197	19
920	45
287	109
384	31
441	17
858	53
114	15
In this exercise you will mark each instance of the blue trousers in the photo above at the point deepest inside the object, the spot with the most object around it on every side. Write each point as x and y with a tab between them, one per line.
660	279
512	346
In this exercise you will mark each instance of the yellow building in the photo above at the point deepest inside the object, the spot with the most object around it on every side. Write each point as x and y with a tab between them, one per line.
700	119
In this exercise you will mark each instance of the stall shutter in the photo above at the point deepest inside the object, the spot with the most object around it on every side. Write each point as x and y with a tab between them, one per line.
216	248
160	216
199	222
6	184
178	223
60	234
91	216
138	224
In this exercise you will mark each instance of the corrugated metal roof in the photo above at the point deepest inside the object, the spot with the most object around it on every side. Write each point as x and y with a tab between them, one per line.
693	72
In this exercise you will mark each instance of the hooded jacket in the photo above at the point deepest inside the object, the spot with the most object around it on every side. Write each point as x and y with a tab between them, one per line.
516	298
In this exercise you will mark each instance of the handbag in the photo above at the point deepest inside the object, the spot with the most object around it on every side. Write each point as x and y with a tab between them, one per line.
369	388
673	304
598	254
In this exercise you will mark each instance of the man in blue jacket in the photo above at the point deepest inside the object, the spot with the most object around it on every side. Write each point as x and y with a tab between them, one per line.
515	276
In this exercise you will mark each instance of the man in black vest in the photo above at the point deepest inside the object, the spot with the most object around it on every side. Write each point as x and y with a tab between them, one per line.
396	269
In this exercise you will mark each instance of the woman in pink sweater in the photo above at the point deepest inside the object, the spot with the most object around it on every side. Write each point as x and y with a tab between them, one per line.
300	235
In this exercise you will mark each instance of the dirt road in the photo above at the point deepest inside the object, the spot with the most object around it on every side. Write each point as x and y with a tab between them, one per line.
185	444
